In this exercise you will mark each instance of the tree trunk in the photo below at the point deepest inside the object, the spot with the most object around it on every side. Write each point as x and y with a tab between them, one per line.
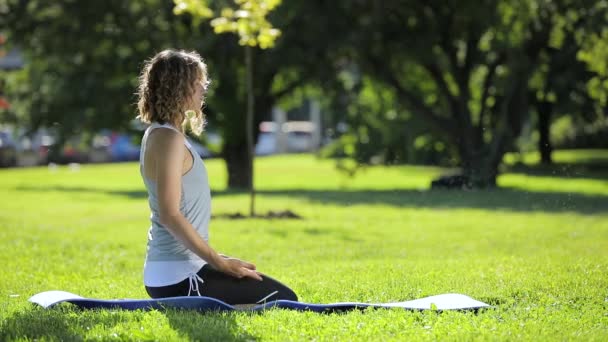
482	159
249	128
237	164
235	147
480	170
545	148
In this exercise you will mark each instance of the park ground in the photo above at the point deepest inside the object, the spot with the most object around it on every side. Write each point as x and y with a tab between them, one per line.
536	249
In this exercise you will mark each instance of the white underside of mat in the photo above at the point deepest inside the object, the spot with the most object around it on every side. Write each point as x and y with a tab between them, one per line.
448	301
48	298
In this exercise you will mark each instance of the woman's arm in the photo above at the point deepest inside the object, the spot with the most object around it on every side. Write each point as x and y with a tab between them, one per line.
170	152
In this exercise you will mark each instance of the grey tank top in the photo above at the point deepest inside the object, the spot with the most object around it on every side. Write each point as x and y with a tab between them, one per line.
195	205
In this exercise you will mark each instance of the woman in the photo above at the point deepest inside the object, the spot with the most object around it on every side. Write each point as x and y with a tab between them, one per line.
179	260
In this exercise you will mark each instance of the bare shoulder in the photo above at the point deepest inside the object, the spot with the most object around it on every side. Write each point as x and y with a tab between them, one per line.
164	154
165	140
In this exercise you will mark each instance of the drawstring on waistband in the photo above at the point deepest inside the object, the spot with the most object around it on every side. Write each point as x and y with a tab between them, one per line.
193	279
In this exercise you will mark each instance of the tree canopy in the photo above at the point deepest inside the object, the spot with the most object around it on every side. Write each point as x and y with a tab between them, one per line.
457	78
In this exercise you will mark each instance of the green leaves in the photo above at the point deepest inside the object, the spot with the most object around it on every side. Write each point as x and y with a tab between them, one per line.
197	8
248	20
595	54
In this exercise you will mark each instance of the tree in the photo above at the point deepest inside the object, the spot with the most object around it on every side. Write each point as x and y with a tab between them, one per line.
475	60
559	83
297	58
83	59
250	23
4	105
594	53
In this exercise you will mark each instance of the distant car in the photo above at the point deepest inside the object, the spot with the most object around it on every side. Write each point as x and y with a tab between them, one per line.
299	141
8	150
70	153
109	146
267	144
123	149
74	150
33	148
297	137
42	147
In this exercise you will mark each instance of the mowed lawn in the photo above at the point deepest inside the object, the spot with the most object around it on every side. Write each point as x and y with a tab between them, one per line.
537	250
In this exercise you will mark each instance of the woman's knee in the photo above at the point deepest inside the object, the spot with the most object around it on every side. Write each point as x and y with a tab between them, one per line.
288	294
283	292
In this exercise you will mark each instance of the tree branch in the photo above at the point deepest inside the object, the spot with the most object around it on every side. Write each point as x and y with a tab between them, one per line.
437	75
487	82
412	101
459	105
444	30
289	88
509	120
472	52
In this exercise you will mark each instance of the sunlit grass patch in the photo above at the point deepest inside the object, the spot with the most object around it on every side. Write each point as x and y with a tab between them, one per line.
536	249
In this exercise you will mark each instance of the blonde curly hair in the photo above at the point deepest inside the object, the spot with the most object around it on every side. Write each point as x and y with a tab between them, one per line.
167	85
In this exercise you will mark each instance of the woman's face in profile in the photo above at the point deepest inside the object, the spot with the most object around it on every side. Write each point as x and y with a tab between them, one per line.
198	97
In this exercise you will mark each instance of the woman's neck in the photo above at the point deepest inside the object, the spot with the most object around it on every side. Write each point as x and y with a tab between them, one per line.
178	127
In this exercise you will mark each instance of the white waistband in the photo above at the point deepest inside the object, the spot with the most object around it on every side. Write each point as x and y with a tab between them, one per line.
164	273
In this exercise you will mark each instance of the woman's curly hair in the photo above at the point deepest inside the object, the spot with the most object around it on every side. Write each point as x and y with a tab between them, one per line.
166	86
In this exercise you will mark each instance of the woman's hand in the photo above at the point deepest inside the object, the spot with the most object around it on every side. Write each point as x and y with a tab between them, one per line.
238	268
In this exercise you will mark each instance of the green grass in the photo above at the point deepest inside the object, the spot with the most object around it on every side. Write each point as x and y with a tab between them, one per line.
562	156
537	250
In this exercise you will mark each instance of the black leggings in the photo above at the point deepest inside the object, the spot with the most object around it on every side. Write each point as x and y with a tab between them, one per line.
226	288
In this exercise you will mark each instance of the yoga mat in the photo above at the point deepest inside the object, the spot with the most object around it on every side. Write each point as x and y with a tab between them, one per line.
448	301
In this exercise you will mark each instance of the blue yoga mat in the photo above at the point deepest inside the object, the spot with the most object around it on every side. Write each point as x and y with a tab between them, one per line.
449	301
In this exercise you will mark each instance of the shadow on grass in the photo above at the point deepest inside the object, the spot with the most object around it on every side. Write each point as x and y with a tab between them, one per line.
510	199
315	233
211	326
135	194
67	323
589	169
500	199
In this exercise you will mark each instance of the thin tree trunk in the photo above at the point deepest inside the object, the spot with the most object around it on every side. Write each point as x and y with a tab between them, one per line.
545	148
250	106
